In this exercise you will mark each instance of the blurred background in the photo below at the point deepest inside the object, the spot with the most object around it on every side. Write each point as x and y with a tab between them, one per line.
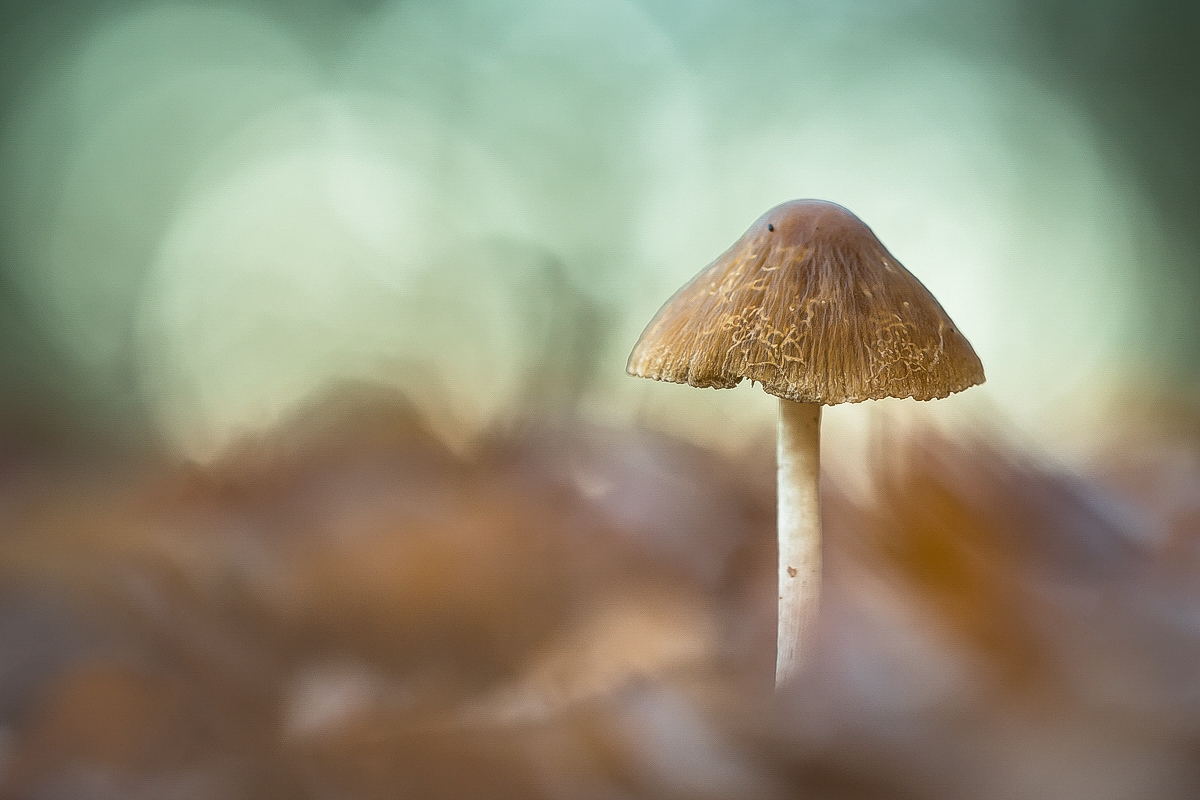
320	474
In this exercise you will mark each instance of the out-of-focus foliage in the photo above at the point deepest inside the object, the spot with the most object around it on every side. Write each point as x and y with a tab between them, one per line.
345	608
212	211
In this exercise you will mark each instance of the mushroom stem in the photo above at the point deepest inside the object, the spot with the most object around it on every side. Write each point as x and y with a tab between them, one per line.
798	450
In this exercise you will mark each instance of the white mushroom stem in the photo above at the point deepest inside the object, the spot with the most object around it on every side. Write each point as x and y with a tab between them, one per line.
798	450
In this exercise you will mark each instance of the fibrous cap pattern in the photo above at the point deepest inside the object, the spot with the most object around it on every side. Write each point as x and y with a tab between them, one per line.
810	304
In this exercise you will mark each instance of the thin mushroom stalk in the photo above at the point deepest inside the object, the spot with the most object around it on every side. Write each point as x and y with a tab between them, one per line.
809	303
798	457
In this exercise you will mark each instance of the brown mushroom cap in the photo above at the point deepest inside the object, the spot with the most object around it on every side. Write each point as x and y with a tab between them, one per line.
810	304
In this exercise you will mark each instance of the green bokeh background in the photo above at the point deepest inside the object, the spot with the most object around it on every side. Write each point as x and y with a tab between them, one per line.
212	211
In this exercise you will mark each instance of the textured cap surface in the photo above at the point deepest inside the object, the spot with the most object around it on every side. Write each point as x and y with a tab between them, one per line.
810	304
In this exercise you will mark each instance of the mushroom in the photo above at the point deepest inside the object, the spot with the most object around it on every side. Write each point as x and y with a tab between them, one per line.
810	304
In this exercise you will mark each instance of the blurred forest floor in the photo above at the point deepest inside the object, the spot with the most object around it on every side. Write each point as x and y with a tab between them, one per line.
345	609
